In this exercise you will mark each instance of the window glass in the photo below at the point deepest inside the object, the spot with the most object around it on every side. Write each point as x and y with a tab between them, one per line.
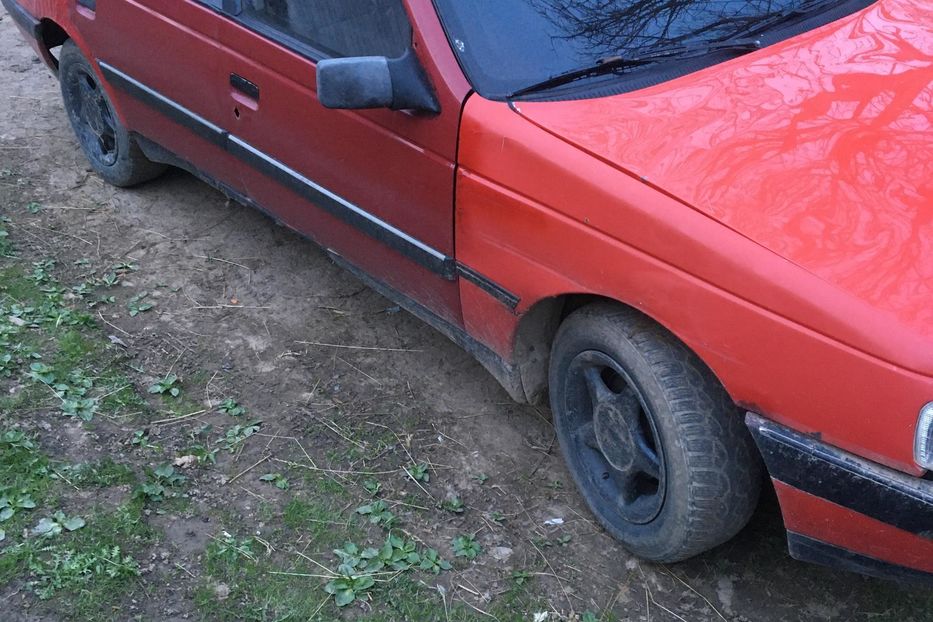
337	27
505	45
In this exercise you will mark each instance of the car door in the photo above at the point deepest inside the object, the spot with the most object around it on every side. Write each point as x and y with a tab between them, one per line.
157	57
374	186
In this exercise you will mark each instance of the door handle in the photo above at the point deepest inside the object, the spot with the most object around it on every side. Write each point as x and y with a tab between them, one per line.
244	86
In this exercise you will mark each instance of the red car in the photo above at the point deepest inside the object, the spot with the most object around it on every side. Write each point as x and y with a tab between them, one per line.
703	229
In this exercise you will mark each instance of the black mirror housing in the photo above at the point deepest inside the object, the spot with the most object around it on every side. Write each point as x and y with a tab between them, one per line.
367	82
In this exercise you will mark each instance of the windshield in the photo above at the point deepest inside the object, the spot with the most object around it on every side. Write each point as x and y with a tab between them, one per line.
506	45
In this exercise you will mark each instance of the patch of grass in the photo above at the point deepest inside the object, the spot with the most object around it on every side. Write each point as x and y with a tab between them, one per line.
25	483
88	570
102	474
48	340
82	561
317	519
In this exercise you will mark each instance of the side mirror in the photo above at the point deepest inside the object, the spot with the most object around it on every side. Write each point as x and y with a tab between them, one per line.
375	82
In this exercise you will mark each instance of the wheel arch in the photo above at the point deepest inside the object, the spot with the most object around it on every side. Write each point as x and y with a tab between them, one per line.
537	328
51	36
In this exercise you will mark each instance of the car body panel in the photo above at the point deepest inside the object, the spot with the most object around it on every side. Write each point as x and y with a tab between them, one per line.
526	227
817	148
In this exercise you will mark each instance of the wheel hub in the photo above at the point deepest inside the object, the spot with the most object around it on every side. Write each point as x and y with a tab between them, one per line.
93	118
613	436
617	452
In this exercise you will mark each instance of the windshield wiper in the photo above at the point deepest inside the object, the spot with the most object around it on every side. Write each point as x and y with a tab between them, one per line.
614	64
745	39
791	14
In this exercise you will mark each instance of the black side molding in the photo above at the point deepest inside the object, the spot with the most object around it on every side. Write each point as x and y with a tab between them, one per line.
817	552
490	287
414	249
22	17
844	479
176	112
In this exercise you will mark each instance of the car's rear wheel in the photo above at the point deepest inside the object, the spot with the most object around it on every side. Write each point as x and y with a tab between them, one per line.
653	441
112	152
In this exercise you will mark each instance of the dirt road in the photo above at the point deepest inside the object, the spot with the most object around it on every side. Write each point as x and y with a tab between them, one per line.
243	308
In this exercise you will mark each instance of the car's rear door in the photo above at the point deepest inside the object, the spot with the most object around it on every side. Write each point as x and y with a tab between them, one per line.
374	186
160	60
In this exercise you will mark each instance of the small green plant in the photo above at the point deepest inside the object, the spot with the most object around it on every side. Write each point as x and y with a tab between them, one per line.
124	267
372	486
497	517
167	386
40	372
203	455
8	364
229	549
72	391
589	616
110	279
521	577
481	478
276	479
159	482
67	568
33	207
9	505
432	562
102	300
42	271
395	553
347	589
420	473
82	408
230	407
16	439
378	513
137	304
140	439
52	526
238	434
466	546
6	249
454	505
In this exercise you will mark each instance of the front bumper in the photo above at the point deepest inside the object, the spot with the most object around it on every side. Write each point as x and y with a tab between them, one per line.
843	511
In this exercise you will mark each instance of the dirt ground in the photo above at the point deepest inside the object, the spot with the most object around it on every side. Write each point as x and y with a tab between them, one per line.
239	302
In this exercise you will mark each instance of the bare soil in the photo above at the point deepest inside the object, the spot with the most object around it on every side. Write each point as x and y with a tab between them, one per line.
239	303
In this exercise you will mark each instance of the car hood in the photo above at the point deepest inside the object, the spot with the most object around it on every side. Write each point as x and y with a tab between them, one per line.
819	148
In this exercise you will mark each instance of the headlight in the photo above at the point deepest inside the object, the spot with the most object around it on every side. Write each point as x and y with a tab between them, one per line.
923	444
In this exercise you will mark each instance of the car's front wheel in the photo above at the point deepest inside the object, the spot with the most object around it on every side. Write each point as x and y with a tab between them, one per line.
112	152
653	441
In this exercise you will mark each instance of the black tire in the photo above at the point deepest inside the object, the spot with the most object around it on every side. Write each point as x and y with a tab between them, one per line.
656	446
112	152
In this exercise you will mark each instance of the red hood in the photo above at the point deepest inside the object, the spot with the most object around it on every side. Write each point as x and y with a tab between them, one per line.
819	148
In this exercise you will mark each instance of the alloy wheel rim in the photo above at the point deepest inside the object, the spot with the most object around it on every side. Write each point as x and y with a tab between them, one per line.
94	119
614	438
